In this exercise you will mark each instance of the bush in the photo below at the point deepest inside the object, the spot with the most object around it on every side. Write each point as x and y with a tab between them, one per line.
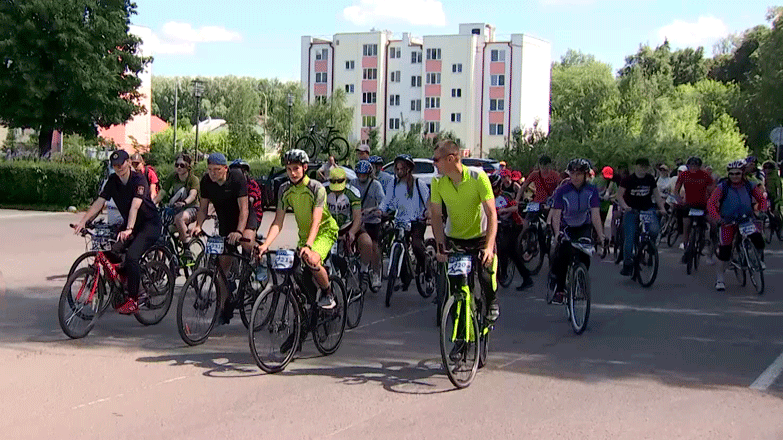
51	183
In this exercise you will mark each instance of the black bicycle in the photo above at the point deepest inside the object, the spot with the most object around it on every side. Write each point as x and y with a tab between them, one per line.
669	229
348	265
534	242
331	143
645	261
401	264
746	259
171	251
577	285
697	240
286	313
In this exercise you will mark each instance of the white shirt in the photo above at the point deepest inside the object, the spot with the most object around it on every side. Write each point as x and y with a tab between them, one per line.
408	208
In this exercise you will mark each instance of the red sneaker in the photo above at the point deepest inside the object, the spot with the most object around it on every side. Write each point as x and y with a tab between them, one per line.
130	307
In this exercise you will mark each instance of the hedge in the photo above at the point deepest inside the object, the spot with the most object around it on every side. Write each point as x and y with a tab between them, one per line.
51	183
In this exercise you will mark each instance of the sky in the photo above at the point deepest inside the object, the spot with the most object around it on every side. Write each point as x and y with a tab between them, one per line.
262	38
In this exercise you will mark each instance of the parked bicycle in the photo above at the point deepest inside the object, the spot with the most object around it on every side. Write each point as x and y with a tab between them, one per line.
577	288
331	143
645	261
534	242
286	313
745	259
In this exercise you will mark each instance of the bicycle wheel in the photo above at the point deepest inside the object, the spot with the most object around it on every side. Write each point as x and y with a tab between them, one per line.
459	351
647	264
250	288
330	324
425	281
578	297
163	254
196	248
511	270
739	271
158	283
79	307
755	266
307	144
197	308
354	296
338	147
275	328
391	278
529	245
483	333
671	239
84	260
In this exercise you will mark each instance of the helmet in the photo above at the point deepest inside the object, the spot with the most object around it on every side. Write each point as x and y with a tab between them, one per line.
239	163
544	160
607	172
337	177
494	179
578	165
406	158
516	175
693	161
376	160
364	167
295	156
736	165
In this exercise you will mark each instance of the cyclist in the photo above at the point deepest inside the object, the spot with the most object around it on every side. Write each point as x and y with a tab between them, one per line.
501	167
408	196
698	185
509	224
372	195
182	188
386	179
362	152
141	222
472	222
323	172
137	162
507	185
576	207
255	203
732	199
345	206
546	180
317	228
638	192
607	190
774	189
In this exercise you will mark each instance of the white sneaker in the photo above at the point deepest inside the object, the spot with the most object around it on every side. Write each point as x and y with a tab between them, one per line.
720	286
682	246
375	280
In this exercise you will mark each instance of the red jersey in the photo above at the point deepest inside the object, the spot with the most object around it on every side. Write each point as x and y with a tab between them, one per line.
696	184
546	184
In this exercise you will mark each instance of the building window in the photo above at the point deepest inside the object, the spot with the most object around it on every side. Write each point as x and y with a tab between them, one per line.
456	68
395	52
456	93
368	121
497	55
394	100
369	97
415	57
433	54
496	105
370	74
320	77
498	80
370	50
432	102
322	54
496	129
416	81
349	88
456	117
415	105
476	31
394	124
395	76
432	127
320	99
433	78
349	65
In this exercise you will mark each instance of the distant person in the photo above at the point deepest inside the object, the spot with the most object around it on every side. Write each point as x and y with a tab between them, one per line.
385	178
137	162
362	152
323	172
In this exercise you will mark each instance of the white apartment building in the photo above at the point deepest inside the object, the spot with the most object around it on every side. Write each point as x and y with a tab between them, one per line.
470	83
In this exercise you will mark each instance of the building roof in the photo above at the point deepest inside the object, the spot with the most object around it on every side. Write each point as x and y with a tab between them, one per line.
157	124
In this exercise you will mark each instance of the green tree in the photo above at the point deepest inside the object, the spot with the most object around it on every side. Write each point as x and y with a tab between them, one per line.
68	66
242	118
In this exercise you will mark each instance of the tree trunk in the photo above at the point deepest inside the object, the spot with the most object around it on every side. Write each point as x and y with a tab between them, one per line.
45	141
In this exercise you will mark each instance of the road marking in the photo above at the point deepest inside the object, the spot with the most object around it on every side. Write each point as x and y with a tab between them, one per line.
389	318
654	309
105	399
769	375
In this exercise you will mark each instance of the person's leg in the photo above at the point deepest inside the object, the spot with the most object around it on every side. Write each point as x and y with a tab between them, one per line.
143	240
726	239
181	222
630	226
364	243
686	227
314	260
417	242
489	286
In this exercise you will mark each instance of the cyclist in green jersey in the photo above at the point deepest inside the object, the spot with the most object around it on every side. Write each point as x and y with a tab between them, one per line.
472	219
317	228
345	205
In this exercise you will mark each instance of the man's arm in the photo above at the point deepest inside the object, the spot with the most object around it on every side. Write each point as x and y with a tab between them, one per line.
356	223
318	213
437	226
595	217
243	213
659	200
621	199
201	216
492	229
95	209
274	230
159	196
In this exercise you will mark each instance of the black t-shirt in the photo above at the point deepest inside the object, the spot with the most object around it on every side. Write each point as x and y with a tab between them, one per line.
123	195
224	198
638	191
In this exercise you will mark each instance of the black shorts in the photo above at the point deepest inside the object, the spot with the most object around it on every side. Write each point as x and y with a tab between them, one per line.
373	230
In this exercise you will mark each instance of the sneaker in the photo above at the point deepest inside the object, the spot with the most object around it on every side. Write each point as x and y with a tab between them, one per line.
525	285
682	246
225	317
327	301
558	298
720	286
626	271
494	311
457	350
375	280
130	307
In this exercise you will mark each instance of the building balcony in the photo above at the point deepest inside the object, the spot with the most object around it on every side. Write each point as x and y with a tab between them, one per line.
497	92
321	66
497	117
433	66
432	90
432	114
369	109
370	85
321	89
497	68
369	62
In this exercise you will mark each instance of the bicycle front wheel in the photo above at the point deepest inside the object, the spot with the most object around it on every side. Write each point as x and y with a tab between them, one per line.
459	347
338	147
157	283
755	267
530	250
354	296
197	308
80	306
394	266
196	248
307	144
330	324
578	297
425	281
647	264
275	328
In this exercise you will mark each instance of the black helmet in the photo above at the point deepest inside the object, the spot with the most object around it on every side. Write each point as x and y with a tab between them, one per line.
578	165
405	158
239	163
694	161
544	160
494	180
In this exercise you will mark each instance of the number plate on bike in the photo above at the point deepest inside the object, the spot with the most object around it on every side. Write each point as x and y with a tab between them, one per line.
533	207
696	212
215	245
459	265
284	259
646	216
747	228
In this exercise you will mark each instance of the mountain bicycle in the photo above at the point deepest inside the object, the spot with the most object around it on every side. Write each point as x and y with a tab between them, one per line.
101	237
401	264
348	266
90	290
696	241
577	284
533	243
170	250
284	314
668	229
645	261
745	259
331	143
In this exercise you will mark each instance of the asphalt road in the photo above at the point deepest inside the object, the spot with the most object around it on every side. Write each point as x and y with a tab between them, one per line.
678	360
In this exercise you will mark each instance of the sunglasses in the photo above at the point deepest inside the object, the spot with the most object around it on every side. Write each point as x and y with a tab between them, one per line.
181	165
735	174
336	180
438	159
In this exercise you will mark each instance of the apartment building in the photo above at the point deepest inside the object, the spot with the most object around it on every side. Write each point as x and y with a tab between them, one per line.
472	84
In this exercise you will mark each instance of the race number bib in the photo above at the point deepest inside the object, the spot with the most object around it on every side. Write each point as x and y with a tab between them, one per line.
696	212
747	228
284	259
646	216
459	265
533	207
215	245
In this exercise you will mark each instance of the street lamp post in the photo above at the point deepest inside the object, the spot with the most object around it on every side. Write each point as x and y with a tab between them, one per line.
198	92
290	104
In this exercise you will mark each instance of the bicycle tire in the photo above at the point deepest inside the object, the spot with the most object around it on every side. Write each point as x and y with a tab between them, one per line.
265	319
647	249
338	147
162	253
511	271
308	145
192	244
483	333
158	281
69	310
252	287
89	255
755	268
446	333
425	281
671	239
336	317
619	242
354	307
391	278
578	277
528	242
768	231
201	302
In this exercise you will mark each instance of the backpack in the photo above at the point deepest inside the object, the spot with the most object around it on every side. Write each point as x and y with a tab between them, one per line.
723	183
254	191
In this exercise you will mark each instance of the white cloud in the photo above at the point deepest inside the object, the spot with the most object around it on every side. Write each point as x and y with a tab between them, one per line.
415	12
704	31
181	38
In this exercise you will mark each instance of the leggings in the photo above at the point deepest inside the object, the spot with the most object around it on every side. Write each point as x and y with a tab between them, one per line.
143	238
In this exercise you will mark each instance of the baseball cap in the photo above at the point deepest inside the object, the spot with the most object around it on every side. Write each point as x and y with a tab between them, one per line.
363	147
516	175
217	159
337	173
136	157
118	157
607	172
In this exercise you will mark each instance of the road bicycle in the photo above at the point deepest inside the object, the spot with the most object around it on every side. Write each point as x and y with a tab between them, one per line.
401	264
533	243
577	284
331	143
170	250
199	306
697	240
348	266
645	261
746	259
90	290
285	313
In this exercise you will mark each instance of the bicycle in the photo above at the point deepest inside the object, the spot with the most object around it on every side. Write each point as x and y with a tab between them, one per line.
464	329
290	308
348	266
171	251
90	290
772	226
534	241
746	259
401	265
202	290
668	230
577	286
619	236
697	240
315	143
506	266
645	253
102	237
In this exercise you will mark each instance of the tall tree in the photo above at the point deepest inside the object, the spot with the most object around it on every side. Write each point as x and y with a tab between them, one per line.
68	65
242	119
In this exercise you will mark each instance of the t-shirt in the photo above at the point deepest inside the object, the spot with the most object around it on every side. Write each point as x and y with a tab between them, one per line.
178	190
409	207
576	203
374	196
639	191
386	180
123	195
510	190
545	182
341	206
696	184
466	217
224	198
151	176
605	187
303	198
